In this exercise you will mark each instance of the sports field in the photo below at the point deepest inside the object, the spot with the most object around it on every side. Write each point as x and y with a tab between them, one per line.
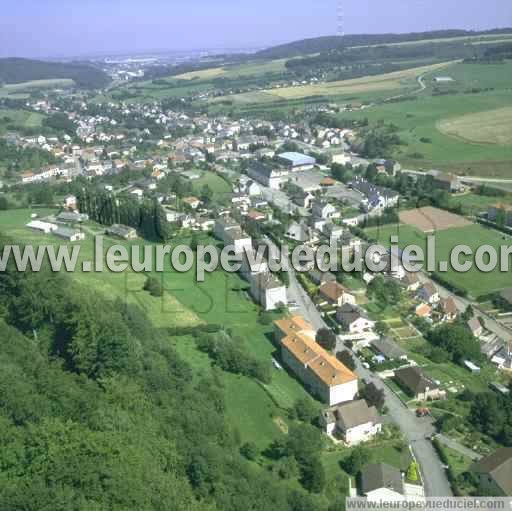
431	219
474	281
490	127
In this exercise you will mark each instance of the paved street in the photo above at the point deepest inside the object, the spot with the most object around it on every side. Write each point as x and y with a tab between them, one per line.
416	430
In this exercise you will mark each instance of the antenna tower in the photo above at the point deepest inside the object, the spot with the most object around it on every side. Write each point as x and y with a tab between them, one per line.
340	19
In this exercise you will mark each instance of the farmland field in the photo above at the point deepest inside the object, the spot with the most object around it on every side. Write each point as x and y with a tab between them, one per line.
22	90
249	69
491	127
419	120
386	82
19	119
474	281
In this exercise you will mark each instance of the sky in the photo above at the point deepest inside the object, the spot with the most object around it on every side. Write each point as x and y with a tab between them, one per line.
60	28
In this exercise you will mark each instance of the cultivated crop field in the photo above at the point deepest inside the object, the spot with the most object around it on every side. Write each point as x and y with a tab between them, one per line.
490	127
474	281
19	119
22	90
385	82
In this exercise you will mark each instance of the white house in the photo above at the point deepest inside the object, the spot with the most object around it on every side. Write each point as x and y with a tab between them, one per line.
355	421
268	291
335	294
353	319
323	374
381	482
238	239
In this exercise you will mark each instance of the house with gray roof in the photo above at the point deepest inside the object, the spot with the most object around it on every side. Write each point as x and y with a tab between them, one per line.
382	482
494	472
354	421
417	384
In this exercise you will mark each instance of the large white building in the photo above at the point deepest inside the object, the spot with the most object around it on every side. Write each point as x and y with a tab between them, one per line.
322	373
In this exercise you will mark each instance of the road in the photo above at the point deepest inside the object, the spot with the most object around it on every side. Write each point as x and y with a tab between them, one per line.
417	431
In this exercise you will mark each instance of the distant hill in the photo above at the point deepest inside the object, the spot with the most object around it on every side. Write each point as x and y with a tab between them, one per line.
17	70
328	43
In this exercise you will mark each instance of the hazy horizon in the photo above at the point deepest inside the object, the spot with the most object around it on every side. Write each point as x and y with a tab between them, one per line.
51	28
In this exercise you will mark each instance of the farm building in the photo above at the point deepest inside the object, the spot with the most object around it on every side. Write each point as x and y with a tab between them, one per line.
122	231
38	225
69	234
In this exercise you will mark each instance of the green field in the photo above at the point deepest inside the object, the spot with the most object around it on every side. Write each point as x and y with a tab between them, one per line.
19	119
24	89
221	299
418	122
218	186
477	283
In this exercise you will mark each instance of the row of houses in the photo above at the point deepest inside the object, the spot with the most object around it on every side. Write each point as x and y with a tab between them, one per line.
265	288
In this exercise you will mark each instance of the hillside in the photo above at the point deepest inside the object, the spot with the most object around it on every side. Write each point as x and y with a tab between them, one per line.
328	43
17	70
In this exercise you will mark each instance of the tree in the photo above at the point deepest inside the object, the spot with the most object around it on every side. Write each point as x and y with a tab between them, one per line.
250	451
456	340
4	203
346	358
373	395
154	287
305	409
468	313
381	327
358	458
313	475
326	338
412	472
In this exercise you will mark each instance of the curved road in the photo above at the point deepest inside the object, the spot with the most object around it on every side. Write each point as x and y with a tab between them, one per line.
417	431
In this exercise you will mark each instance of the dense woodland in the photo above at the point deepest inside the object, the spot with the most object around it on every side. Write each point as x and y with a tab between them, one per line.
97	411
327	43
16	70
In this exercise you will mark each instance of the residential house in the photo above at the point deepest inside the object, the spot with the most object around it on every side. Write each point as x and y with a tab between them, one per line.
448	309
323	210
269	176
354	421
70	202
381	482
446	181
417	384
410	281
303	198
192	202
423	310
301	233
333	232
336	294
323	375
353	319
494	472
388	348
222	226
376	197
429	293
475	327
238	239
268	291
319	278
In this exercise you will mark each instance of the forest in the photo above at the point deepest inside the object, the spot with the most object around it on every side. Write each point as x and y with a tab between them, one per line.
97	411
17	70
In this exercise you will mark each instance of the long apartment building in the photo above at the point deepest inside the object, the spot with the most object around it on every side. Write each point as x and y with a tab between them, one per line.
322	373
